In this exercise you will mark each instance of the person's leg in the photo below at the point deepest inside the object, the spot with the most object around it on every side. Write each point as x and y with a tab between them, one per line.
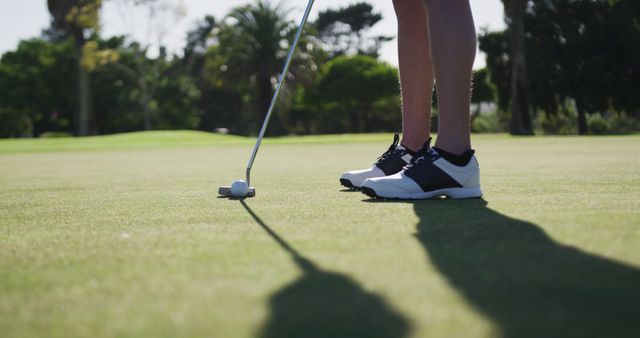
450	169
453	49
416	72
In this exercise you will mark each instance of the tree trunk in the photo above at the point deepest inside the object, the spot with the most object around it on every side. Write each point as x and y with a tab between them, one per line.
583	129
83	114
265	95
520	109
146	102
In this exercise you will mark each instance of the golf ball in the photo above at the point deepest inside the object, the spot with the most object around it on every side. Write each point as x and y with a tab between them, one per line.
239	188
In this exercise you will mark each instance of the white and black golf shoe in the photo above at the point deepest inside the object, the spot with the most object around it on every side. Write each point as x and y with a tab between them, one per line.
391	162
429	175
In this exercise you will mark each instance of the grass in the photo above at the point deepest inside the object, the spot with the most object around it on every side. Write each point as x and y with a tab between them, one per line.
164	139
123	236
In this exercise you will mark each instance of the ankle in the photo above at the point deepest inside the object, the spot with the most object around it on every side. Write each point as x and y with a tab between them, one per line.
460	160
455	148
413	144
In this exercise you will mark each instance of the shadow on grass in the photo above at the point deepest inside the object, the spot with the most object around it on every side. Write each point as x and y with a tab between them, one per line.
525	282
322	304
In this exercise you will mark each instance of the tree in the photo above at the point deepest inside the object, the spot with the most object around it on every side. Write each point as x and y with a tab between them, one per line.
354	94
520	108
584	54
160	16
195	50
79	19
36	91
343	31
248	52
122	96
483	91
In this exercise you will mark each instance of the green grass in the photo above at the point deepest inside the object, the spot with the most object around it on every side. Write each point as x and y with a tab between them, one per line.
164	139
123	236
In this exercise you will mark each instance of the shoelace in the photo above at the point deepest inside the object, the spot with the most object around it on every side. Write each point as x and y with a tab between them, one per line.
426	153
393	148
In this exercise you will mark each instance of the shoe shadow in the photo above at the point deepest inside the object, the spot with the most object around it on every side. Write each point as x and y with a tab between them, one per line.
322	304
525	282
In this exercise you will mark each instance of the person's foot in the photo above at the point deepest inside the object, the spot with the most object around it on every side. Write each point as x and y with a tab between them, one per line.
391	162
429	175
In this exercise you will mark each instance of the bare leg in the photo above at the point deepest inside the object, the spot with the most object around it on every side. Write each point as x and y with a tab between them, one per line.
453	49
416	72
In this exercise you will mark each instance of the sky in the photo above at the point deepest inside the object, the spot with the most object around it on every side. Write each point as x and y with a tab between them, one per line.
26	18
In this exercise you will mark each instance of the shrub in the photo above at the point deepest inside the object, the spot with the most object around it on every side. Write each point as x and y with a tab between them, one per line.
55	134
623	124
487	123
597	124
14	123
559	124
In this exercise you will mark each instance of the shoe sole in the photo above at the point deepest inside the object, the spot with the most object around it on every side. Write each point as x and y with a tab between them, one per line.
347	184
452	193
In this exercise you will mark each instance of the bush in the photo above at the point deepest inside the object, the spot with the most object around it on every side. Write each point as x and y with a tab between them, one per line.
559	124
14	123
487	123
352	94
623	124
55	134
597	124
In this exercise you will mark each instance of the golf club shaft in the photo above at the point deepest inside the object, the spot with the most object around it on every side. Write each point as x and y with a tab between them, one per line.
274	99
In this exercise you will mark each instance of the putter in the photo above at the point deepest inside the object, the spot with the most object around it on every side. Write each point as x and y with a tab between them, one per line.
226	190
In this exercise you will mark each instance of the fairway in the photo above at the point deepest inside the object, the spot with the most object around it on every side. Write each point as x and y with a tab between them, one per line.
123	236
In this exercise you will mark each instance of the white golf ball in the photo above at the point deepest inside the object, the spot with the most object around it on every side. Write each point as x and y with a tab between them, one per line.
239	188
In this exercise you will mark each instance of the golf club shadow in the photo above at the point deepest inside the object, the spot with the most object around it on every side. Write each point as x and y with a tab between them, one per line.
232	198
525	282
322	304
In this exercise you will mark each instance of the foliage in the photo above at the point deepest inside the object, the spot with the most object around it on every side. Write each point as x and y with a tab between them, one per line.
487	123
598	125
36	86
355	93
248	50
79	19
14	123
483	89
558	124
93	58
344	31
582	72
585	52
169	98
612	123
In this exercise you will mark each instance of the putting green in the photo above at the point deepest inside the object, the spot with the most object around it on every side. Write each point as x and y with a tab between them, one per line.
123	236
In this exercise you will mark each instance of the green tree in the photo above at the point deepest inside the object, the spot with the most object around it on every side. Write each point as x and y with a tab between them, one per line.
195	50
483	89
79	19
247	55
519	79
36	88
585	54
123	95
354	94
344	31
160	16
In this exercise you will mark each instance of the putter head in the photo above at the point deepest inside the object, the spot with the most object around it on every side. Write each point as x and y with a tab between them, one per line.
225	191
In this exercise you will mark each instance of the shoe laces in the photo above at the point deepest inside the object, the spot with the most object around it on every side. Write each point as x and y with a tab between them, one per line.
424	155
393	148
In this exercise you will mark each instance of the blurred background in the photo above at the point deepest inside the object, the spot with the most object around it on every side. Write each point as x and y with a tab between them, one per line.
90	67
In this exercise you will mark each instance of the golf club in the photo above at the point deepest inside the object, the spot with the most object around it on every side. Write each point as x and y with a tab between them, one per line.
240	188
